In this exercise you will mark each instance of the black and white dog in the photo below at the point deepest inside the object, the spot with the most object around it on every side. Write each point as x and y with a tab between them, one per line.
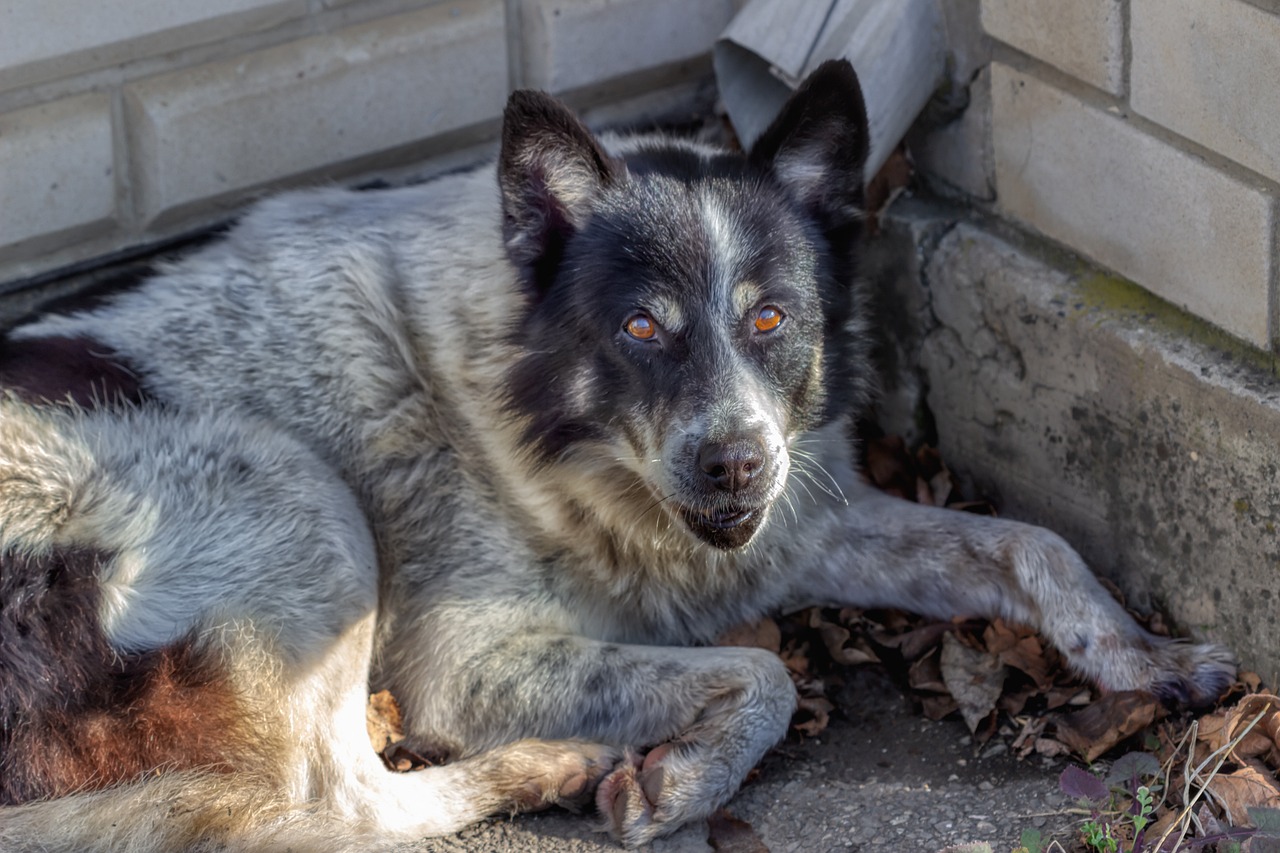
512	453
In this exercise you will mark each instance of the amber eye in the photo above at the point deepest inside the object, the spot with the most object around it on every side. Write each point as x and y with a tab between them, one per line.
768	318
641	327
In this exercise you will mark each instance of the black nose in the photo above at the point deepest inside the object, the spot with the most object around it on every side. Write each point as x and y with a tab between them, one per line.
731	465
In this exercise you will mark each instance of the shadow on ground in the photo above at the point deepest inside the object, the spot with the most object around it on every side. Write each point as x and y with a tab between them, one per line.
880	778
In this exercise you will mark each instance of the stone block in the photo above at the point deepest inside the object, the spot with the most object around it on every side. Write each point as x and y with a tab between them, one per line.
568	44
1085	176
1080	402
1210	70
219	130
1084	38
57	176
958	153
58	38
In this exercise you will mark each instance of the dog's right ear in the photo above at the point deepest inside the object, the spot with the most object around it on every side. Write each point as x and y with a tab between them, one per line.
818	144
550	170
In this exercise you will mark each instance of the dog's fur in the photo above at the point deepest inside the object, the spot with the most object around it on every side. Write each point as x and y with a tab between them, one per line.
507	454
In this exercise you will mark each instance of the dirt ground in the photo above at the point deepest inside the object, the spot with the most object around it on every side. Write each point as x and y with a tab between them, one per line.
880	778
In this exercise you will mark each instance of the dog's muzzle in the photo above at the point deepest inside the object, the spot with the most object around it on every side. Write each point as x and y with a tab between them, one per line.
731	474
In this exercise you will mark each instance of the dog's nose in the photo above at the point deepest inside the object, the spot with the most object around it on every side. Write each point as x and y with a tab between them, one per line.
731	465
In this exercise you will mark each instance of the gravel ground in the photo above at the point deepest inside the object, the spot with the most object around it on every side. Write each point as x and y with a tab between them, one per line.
880	778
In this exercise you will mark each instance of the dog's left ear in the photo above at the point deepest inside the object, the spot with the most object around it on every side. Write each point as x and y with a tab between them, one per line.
817	145
550	170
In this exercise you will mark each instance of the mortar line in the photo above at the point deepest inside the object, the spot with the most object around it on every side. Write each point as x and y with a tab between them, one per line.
513	21
1126	50
128	216
1273	291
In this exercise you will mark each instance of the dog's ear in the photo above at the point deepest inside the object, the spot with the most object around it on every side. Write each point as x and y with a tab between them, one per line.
550	170
818	143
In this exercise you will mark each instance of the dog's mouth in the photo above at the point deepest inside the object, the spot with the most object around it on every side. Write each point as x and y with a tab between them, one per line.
726	519
727	527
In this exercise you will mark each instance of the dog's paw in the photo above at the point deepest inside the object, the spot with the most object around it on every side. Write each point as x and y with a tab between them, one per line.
1179	672
656	794
565	773
626	799
1192	674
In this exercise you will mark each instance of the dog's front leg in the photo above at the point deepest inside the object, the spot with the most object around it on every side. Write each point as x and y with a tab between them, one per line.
705	715
882	551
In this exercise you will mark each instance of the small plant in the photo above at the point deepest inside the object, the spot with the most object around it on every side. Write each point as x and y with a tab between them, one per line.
1122	808
1097	836
1031	841
1143	808
1111	828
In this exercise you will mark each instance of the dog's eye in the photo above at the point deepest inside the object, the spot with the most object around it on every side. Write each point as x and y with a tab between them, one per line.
768	318
641	327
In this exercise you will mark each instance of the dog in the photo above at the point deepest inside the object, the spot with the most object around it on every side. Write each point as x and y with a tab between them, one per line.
516	453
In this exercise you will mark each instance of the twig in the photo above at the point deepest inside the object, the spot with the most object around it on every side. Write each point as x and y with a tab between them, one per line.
1222	753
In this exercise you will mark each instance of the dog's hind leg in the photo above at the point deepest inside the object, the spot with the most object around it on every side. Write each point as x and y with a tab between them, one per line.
316	783
886	552
187	609
336	765
709	714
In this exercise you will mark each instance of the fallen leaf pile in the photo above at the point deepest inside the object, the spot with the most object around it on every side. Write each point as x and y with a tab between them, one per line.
1230	755
1005	681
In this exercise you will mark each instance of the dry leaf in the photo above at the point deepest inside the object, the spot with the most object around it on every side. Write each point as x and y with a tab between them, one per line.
1061	695
1031	728
1020	648
728	834
926	674
1218	729
1162	824
813	713
385	725
938	707
1051	748
889	466
838	643
762	634
383	720
975	679
1012	702
1253	785
914	643
888	183
1249	681
1113	718
796	657
933	480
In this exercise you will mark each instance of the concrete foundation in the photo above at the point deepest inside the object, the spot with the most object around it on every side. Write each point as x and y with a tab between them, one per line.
1076	400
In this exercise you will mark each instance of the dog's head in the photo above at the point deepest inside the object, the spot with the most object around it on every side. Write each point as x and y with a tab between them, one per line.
690	311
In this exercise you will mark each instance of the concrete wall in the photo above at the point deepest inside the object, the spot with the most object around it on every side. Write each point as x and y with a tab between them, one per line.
1092	333
123	124
1078	401
1143	134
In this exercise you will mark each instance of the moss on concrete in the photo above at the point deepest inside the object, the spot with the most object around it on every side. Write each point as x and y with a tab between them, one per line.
1123	300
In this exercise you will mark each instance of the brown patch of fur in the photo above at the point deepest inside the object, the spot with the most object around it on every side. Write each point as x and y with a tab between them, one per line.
78	716
61	369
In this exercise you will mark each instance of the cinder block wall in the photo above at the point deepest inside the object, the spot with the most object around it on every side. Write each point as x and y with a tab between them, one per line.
122	124
1143	134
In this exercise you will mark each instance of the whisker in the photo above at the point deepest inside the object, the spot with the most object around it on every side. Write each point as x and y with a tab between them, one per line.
811	460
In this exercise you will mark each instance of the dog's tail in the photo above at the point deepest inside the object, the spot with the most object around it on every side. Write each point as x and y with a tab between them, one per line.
198	812
188	811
